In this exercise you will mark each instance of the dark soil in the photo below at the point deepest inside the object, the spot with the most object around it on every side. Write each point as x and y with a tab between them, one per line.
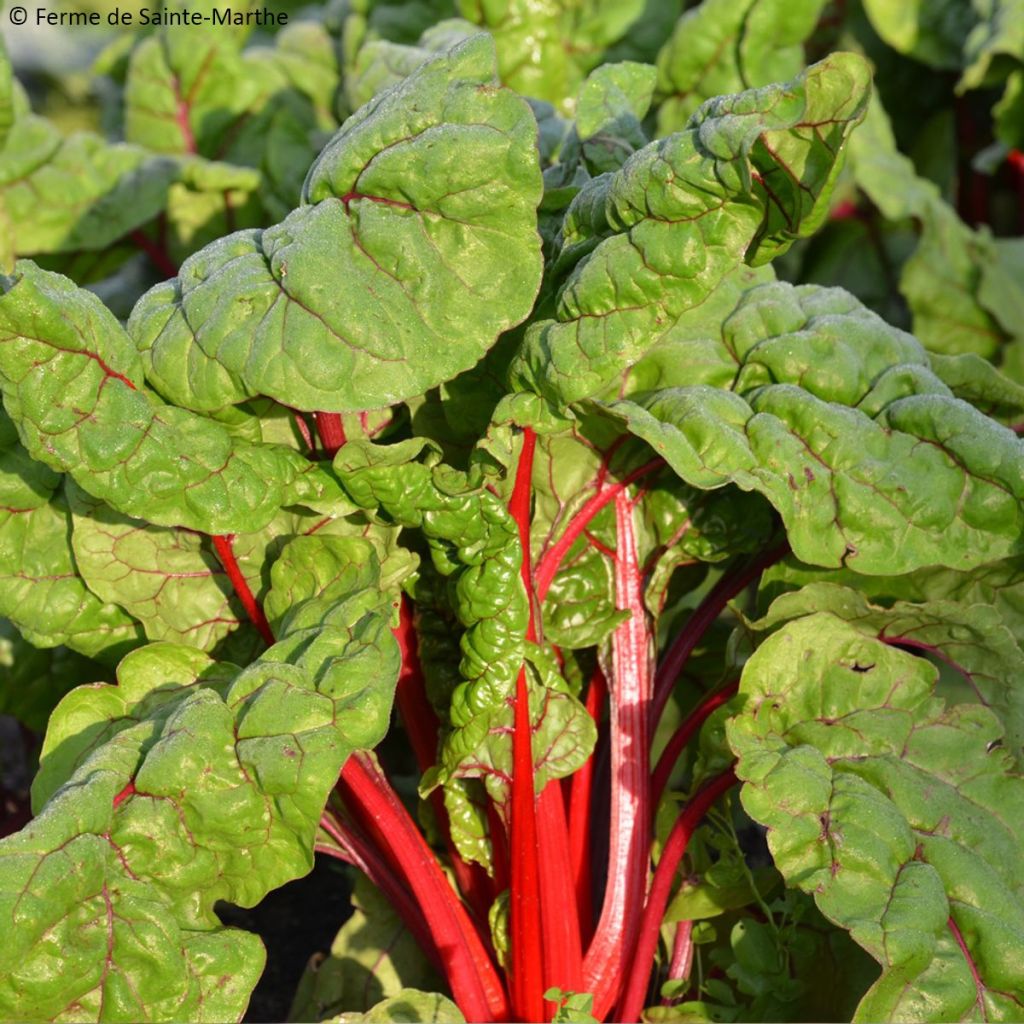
295	921
14	776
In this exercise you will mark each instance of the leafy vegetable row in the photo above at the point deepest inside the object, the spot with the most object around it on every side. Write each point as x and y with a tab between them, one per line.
694	583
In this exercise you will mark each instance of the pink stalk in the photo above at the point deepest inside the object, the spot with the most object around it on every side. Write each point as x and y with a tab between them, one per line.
356	849
526	949
553	557
654	912
560	937
563	947
581	795
682	955
682	736
630	825
732	583
224	546
471	974
331	429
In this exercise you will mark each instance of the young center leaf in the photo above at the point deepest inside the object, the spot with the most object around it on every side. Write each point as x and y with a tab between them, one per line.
747	176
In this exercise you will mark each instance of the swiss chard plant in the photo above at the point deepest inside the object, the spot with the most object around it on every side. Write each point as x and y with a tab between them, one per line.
559	460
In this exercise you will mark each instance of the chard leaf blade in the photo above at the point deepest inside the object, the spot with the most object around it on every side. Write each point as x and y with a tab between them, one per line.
748	175
896	812
186	784
73	384
414	247
865	453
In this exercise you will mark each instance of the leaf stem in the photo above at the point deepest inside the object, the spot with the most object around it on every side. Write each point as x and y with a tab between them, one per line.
553	557
682	736
223	544
471	974
331	429
560	934
630	814
155	253
581	796
355	848
563	946
661	887
682	955
732	583
526	948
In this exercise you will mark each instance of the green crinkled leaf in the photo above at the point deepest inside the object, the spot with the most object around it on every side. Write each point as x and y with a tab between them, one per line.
725	46
43	594
979	649
611	92
610	108
313	566
475	542
373	957
531	36
168	579
210	199
439	635
62	194
72	382
473	539
563	735
246	124
748	175
189	92
466	802
898	813
835	417
172	791
414	248
382	63
977	381
41	589
998	585
410	1006
150	682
